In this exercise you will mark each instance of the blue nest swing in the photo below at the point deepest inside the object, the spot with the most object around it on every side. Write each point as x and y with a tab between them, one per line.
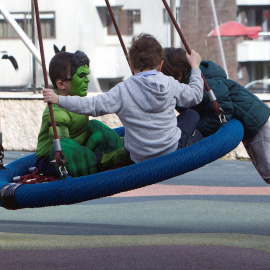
75	190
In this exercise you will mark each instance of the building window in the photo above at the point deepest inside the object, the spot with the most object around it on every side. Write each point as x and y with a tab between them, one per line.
167	18
24	20
258	74
239	72
255	16
109	83
125	20
266	20
136	14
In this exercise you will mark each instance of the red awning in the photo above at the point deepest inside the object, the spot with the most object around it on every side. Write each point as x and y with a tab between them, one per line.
233	28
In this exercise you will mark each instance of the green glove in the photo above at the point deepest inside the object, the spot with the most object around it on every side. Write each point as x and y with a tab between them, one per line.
101	138
80	160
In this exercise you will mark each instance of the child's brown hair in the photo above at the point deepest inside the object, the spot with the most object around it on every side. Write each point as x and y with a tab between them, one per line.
175	63
145	52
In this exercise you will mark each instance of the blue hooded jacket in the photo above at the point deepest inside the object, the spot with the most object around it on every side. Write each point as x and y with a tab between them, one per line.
236	101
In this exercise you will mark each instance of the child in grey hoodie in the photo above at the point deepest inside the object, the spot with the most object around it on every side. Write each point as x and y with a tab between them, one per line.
145	102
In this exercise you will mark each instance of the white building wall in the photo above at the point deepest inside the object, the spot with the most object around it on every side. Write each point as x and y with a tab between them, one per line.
76	27
79	27
252	2
250	51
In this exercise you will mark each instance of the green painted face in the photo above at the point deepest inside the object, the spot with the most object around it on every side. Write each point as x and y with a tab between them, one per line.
80	80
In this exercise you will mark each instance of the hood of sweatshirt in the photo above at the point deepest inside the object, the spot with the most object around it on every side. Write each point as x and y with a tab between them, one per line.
150	93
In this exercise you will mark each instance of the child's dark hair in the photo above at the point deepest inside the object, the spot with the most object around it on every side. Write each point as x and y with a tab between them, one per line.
145	52
65	64
175	63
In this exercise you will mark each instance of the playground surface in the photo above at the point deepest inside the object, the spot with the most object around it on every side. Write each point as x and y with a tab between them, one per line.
216	217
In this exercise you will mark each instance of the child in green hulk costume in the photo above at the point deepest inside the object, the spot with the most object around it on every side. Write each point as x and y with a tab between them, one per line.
88	146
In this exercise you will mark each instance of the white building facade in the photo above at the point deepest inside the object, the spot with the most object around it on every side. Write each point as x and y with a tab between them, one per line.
79	25
86	25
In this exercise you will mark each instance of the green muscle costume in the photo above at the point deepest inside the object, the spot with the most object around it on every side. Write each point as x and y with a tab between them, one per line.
68	125
79	140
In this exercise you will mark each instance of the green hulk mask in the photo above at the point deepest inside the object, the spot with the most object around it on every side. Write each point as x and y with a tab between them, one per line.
79	73
80	80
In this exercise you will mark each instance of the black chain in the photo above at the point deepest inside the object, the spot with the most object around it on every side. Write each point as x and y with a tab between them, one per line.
1	156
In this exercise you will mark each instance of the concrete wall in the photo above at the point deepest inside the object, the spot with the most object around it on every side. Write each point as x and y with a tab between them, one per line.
20	121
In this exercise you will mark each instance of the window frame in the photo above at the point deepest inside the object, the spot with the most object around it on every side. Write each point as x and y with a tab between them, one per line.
125	19
24	21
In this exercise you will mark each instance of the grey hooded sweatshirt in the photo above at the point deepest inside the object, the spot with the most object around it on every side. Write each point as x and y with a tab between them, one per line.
145	106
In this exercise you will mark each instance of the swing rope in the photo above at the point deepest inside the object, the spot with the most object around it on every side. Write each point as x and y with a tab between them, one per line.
59	155
34	177
218	110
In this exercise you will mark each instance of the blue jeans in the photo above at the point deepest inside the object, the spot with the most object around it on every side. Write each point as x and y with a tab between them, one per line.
187	121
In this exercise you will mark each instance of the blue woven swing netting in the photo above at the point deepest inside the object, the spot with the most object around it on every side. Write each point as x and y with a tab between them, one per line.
75	190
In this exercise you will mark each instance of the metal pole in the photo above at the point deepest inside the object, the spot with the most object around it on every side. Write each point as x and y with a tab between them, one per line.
219	38
173	9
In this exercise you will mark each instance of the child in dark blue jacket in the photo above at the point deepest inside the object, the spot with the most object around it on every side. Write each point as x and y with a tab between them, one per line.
236	101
